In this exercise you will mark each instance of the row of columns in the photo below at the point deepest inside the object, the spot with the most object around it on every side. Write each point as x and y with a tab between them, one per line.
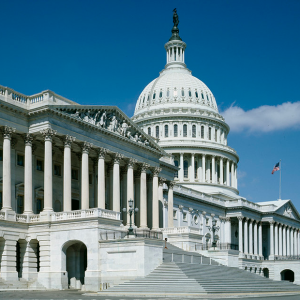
250	236
206	173
284	240
175	54
157	192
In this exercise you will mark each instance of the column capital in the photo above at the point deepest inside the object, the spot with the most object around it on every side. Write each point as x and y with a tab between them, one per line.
251	221
191	209
101	152
204	213
240	218
156	171
131	162
117	158
86	147
144	167
48	133
68	140
227	219
193	154
161	181
28	138
180	207
247	219
171	184
165	203
272	222
8	131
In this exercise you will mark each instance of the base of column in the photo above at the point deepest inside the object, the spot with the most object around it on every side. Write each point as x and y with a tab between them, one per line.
241	255
10	275
45	215
9	214
272	257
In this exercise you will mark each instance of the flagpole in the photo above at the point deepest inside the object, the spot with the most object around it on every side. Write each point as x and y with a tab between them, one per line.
280	180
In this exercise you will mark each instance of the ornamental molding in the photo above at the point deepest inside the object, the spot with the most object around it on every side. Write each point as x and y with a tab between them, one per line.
144	167
156	171
8	131
48	134
68	140
28	139
86	147
131	162
171	184
117	157
161	181
101	152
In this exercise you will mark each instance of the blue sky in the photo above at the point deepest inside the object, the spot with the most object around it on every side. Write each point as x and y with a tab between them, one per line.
106	52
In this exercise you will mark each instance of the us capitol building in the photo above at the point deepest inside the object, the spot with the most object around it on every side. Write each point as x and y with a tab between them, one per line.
67	172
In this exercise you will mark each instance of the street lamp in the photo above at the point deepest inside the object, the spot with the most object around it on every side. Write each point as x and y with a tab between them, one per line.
214	228
131	210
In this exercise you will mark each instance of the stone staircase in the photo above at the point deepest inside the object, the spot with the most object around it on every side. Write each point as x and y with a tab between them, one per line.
21	284
185	272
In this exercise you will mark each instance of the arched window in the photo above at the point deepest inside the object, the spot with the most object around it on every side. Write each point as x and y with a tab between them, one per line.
149	130
166	130
186	169
176	165
190	93
168	93
175	130
207	98
154	95
157	132
196	168
175	93
202	95
209	133
202	132
144	99
148	98
184	130
160	94
196	94
194	131
182	92
216	135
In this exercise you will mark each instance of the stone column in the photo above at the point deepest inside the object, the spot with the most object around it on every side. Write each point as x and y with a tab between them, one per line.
28	175
8	261
48	189
203	168
143	196
29	270
235	176
213	168
155	199
271	237
241	234
161	198
295	242
85	198
227	173
6	195
67	185
101	178
192	177
292	241
250	236
170	204
276	239
232	174
288	249
130	186
228	229
298	243
246	249
283	240
260	239
221	170
280	239
116	182
181	167
255	252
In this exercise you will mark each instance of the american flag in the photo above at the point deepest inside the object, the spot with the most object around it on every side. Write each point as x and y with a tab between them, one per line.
276	168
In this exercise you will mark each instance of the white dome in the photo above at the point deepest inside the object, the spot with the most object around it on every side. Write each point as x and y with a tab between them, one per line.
176	86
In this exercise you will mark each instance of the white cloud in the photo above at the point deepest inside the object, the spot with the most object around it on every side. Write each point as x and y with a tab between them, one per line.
264	118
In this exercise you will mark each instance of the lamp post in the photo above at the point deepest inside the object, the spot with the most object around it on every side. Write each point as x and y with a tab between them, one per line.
213	229
131	210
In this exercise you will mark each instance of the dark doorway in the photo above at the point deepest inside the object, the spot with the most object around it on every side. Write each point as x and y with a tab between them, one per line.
287	275
266	272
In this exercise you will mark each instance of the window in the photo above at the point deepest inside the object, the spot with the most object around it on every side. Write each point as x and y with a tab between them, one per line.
207	98
160	94
184	130
196	168
149	130
185	169
190	93
207	221
39	165
1	155
176	165
166	130
202	95
174	214
75	174
175	93
168	93
184	216
57	170
20	204
20	160
1	204
209	133
144	100
182	92
216	135
39	205
154	95
175	130
202	132
196	94
90	178
157	132
194	131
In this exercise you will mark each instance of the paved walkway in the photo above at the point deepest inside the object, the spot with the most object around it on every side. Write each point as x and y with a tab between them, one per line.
73	294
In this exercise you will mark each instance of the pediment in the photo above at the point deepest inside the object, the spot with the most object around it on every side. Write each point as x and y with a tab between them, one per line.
111	119
288	210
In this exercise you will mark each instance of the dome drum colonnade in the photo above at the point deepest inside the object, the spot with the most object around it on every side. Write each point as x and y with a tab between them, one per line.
134	169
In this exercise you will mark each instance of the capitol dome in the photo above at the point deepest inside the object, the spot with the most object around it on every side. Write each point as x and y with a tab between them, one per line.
180	112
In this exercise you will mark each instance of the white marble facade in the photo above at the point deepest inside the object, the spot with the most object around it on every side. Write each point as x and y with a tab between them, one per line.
67	171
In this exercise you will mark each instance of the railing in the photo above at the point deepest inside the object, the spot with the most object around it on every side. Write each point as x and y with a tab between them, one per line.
115	235
219	246
289	257
183	229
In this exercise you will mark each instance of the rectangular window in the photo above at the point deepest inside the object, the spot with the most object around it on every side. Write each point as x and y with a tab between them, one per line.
202	132
20	160
75	174
57	170
185	217
90	178
1	155
184	130
166	130
174	214
207	221
175	130
209	133
176	165
20	202
39	165
157	132
216	135
39	205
